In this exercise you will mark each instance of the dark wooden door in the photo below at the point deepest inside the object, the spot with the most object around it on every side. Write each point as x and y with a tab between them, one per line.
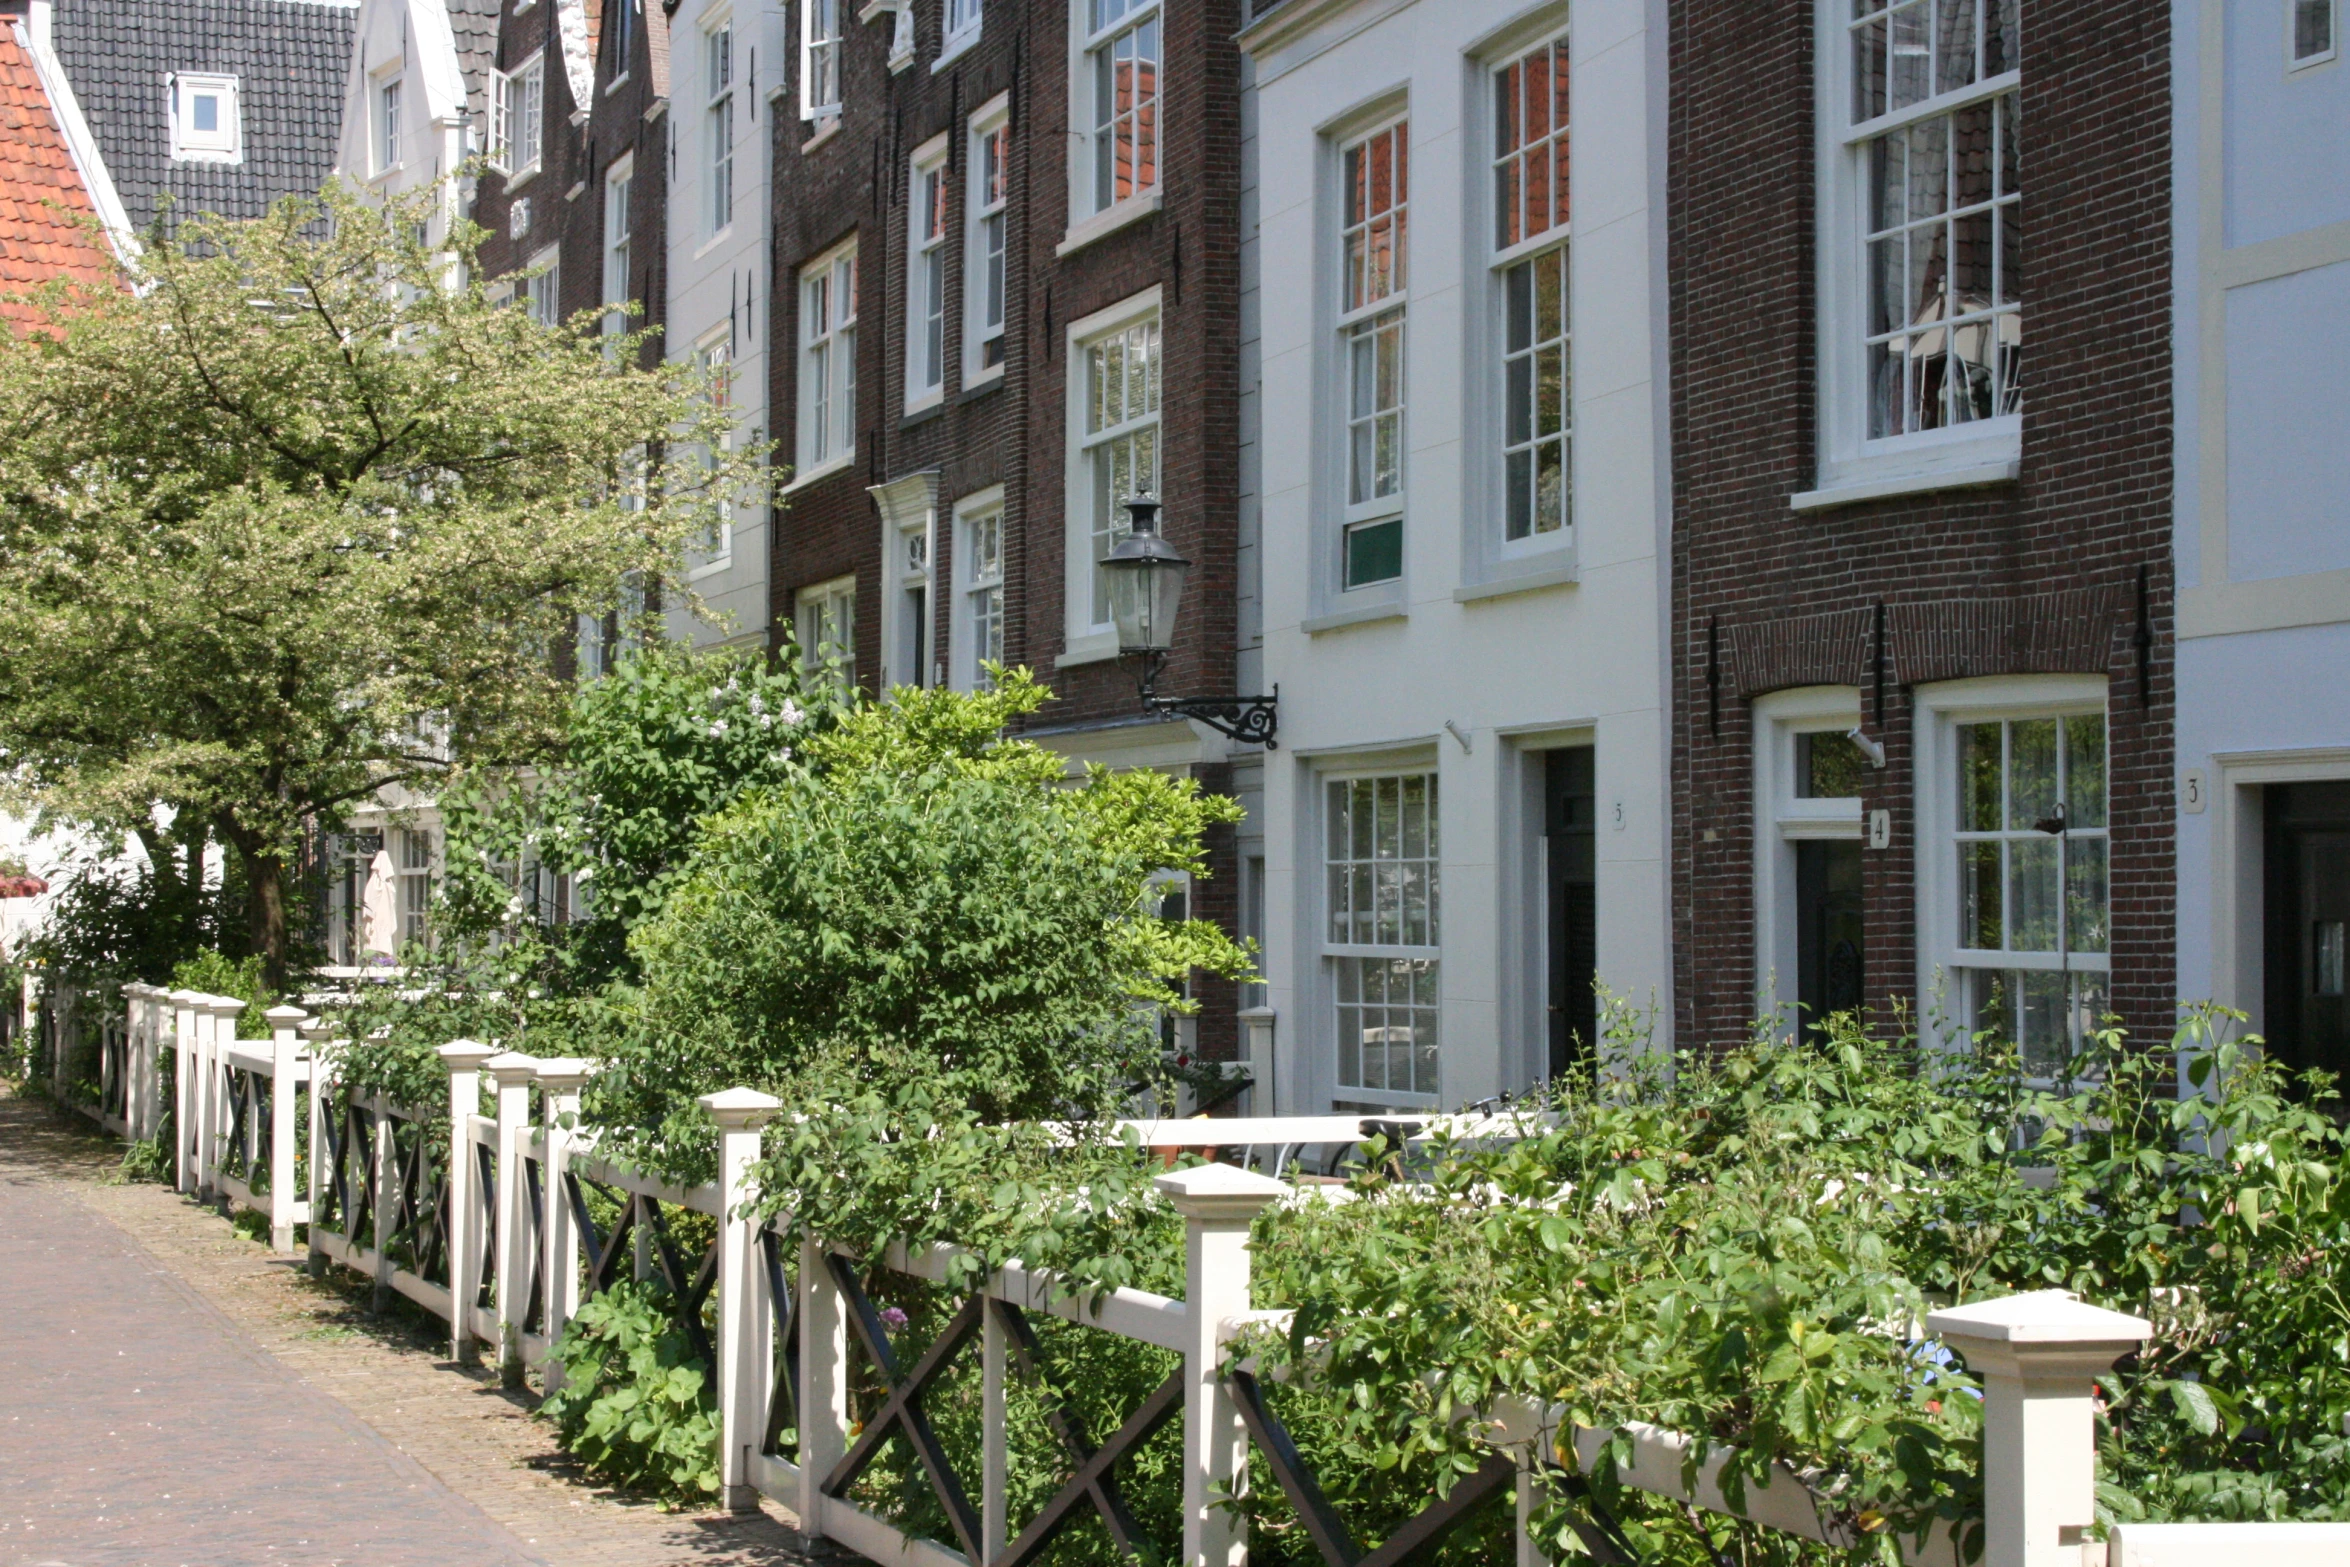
1570	818
2308	920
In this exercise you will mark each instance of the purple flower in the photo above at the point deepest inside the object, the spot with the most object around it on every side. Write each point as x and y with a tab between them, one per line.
892	1318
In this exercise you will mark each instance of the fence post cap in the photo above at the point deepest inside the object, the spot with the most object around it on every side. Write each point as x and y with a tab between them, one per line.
740	1109
509	1067
141	988
2039	1325
562	1072
223	1006
1220	1191
317	1028
184	998
286	1012
466	1055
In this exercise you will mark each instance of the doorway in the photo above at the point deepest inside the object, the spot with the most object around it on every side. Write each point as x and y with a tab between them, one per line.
1828	928
2306	920
1570	821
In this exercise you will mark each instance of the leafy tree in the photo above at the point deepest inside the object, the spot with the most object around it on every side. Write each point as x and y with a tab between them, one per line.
304	515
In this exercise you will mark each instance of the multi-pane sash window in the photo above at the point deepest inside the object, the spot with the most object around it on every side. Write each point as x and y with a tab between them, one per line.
828	633
387	126
413	871
1122	56
2030	844
1121	444
617	220
623	36
983	249
718	117
1936	111
1381	941
962	20
518	115
1530	190
926	297
819	59
543	294
2313	31
1374	249
828	359
982	570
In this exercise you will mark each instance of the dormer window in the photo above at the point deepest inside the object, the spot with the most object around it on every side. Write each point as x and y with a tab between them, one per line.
205	124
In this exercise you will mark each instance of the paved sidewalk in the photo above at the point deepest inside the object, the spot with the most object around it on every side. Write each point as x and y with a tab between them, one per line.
171	1393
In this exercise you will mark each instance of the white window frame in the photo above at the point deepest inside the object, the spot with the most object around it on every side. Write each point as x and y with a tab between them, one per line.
973	578
820	59
1940	709
225	142
929	223
1851	464
718	87
827	612
623	44
415	866
714	357
518	118
1495	554
542	287
1784	817
826	424
619	240
2332	11
385	138
979	211
1329	952
1088	639
959	22
909	558
1349	324
1089	215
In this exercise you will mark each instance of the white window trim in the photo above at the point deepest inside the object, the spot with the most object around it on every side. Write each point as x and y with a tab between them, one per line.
502	84
226	145
387	143
995	114
896	529
718	339
929	158
1087	222
828	114
1322	949
2325	56
963	671
1851	466
805	471
1940	709
545	263
622	171
1783	818
952	45
1083	641
806	604
718	150
1333	602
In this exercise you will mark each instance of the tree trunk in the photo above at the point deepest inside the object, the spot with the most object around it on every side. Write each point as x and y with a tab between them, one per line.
265	909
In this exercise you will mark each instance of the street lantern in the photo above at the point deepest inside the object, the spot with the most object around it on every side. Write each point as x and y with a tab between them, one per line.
1146	583
1146	589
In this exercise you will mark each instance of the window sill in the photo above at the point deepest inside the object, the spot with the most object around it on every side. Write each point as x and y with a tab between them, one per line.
713	242
1974	477
1533	579
823	470
824	133
709	569
1094	647
924	411
1108	221
1359	615
978	386
954	49
576	191
615	84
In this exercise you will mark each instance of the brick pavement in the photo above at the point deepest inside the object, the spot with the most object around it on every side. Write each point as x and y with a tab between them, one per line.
176	1394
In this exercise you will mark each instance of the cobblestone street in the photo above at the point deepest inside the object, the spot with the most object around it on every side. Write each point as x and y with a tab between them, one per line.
180	1396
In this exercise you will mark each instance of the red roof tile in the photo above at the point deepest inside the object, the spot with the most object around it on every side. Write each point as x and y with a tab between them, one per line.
42	196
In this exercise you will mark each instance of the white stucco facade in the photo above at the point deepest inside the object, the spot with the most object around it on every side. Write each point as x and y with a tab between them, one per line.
726	61
407	106
2262	226
1483	655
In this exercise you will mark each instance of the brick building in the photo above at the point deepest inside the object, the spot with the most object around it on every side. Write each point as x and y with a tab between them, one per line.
1922	587
999	229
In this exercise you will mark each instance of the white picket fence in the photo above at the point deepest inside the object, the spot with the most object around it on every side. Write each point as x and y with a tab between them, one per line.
496	1230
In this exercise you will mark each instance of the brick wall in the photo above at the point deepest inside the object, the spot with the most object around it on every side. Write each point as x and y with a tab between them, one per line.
1965	574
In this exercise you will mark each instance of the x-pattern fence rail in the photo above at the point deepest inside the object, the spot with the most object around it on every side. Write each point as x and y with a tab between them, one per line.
502	1224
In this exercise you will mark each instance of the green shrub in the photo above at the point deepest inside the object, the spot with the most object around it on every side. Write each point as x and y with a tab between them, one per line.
635	1405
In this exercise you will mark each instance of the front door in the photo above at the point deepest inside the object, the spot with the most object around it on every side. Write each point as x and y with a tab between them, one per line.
1569	821
2308	920
1828	929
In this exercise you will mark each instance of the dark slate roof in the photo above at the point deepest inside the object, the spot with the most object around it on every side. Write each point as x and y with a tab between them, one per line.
291	59
475	22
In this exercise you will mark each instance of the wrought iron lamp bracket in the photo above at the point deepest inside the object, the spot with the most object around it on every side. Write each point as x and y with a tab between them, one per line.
1252	720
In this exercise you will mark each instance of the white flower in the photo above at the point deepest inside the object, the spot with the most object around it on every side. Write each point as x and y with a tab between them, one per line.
791	711
717	728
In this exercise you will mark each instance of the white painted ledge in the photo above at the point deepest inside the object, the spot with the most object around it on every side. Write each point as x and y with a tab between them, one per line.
1108	221
1968	478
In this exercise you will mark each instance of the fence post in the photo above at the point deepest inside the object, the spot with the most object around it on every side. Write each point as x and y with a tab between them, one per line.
1217	1202
462	1058
559	1084
186	1079
317	1037
134	1033
995	1437
60	1011
218	1037
513	1073
824	1380
2039	1356
746	1323
384	1201
285	1101
150	1121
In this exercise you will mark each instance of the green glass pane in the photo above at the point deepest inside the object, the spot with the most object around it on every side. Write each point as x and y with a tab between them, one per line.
1978	777
1374	553
2031	773
2084	761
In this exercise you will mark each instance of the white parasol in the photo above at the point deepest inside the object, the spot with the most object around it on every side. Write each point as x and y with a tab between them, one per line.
379	912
